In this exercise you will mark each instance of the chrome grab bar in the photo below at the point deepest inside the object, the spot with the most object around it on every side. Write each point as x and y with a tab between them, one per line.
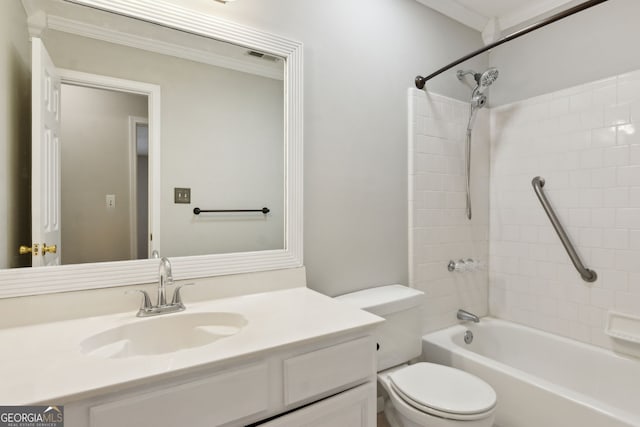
586	274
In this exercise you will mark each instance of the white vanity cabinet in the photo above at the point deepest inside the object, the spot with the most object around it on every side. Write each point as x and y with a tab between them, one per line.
331	380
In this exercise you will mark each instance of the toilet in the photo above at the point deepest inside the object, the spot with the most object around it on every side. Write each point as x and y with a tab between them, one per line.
421	394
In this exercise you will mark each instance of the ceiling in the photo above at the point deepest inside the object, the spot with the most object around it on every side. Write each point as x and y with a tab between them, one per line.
491	16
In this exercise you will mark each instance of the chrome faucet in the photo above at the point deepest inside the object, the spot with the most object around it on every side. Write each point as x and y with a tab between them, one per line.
165	277
466	316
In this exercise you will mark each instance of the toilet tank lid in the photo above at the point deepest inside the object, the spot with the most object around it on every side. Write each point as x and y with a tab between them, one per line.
384	299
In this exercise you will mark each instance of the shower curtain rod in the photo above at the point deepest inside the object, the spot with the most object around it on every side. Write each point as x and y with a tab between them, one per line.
420	81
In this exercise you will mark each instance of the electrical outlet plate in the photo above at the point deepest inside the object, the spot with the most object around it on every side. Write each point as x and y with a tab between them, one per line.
182	195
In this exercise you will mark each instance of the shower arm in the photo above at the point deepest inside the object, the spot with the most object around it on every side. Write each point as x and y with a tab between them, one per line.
421	81
462	73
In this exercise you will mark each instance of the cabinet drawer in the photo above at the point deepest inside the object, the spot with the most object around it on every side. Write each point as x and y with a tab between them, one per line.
212	401
352	408
328	369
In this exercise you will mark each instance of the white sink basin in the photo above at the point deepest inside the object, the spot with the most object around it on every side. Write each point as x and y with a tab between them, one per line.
163	334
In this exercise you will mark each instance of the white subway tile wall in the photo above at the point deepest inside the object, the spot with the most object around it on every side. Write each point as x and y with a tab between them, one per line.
585	142
438	228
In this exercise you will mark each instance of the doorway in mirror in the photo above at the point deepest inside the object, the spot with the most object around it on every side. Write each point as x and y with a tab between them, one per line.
104	185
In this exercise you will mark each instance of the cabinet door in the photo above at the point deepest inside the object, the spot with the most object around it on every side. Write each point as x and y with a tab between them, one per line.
212	401
352	408
315	374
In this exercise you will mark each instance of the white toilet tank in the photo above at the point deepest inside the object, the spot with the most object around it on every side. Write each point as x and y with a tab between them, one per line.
399	338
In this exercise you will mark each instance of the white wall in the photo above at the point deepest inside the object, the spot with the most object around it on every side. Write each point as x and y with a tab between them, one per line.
15	134
439	230
360	58
592	45
94	158
585	141
222	136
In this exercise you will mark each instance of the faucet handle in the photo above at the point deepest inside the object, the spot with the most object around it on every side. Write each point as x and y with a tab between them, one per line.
146	300
177	298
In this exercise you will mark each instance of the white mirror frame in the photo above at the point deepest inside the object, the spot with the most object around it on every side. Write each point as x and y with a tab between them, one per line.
41	280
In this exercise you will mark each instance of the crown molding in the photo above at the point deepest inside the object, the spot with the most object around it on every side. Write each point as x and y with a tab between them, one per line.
524	14
458	12
532	11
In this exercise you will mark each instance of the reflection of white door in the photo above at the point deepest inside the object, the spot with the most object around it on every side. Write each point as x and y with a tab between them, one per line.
45	157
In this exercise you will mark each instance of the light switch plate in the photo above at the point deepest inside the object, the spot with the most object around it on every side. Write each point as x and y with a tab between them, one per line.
111	201
182	195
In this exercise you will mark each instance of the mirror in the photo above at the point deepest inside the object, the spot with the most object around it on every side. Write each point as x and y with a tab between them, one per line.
205	111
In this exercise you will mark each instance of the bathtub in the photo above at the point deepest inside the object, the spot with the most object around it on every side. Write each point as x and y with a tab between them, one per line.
542	380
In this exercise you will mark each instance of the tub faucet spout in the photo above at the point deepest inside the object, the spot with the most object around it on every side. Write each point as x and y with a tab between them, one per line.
466	316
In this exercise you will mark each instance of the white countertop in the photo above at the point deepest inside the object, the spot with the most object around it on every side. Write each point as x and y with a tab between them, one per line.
43	363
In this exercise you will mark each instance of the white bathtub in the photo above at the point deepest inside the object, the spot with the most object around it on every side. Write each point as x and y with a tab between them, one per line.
543	380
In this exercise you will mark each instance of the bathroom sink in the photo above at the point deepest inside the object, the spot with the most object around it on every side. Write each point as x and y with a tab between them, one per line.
163	334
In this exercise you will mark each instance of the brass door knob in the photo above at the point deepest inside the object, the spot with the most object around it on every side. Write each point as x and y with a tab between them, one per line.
49	249
23	250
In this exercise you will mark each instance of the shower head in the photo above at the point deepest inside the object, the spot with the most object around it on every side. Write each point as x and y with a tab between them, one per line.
478	101
483	80
486	79
478	98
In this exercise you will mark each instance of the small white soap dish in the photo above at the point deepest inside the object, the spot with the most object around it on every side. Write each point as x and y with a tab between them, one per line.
623	326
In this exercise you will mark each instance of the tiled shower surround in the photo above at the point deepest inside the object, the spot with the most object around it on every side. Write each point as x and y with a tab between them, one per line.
585	142
439	230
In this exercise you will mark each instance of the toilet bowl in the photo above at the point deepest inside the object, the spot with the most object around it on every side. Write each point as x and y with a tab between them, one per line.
421	394
431	395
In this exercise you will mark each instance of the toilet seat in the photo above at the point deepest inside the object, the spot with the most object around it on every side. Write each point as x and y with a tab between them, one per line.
451	393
